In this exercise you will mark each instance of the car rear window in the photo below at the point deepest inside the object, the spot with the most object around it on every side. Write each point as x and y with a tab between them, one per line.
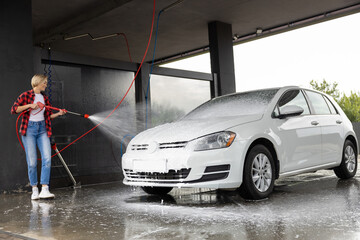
318	102
246	103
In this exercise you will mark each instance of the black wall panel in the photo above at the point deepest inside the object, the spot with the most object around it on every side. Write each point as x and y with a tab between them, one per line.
16	70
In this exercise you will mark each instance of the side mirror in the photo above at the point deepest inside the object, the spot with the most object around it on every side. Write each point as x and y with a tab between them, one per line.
290	111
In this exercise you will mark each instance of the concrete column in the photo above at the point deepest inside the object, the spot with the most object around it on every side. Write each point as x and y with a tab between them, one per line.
222	58
16	70
141	84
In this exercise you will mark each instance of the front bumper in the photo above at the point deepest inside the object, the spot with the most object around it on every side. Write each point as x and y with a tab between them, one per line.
219	168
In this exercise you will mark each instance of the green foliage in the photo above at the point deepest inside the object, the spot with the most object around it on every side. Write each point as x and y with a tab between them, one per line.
330	89
350	105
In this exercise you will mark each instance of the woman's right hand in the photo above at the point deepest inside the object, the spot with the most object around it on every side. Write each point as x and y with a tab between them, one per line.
33	106
19	109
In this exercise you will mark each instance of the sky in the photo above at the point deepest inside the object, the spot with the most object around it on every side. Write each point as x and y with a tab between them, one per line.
328	50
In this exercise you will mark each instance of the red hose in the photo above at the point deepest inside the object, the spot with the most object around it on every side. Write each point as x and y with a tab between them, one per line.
127	45
17	130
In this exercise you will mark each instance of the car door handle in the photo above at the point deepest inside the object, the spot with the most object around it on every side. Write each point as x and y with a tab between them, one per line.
338	121
314	123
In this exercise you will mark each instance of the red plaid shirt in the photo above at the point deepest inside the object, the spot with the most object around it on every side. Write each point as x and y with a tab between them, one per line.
28	98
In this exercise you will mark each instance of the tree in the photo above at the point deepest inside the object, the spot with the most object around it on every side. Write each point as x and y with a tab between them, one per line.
330	89
350	105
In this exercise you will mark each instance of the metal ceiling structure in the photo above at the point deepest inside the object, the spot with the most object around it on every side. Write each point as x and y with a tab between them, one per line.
183	29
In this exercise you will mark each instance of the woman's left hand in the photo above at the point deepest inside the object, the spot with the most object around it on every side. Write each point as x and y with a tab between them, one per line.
61	112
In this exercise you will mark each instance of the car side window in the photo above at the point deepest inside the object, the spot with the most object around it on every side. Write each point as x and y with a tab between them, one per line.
331	106
318	102
292	97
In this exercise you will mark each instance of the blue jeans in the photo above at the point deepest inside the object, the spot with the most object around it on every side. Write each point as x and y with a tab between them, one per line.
36	135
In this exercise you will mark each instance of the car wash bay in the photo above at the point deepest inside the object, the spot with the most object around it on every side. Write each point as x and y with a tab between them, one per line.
308	206
90	79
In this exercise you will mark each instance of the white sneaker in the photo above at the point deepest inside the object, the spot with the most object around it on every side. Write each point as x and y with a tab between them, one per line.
45	193
35	193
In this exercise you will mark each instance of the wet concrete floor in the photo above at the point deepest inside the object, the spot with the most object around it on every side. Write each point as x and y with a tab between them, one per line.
308	206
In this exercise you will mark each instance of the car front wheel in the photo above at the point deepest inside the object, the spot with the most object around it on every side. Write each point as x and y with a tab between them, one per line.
157	190
348	166
259	174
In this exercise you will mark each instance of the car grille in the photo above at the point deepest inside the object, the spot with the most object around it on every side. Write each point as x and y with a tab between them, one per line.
171	175
172	145
139	147
144	147
211	173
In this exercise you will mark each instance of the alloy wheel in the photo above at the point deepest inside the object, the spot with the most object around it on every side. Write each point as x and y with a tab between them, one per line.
349	156
261	172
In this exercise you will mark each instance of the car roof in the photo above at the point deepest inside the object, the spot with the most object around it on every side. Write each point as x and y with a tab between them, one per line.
280	89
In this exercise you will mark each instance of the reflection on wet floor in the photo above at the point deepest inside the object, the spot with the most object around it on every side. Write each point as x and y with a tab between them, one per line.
190	197
308	206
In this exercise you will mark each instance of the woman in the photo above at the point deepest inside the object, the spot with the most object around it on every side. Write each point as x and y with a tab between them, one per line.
35	129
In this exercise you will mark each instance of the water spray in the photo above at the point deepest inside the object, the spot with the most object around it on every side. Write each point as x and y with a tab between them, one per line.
42	106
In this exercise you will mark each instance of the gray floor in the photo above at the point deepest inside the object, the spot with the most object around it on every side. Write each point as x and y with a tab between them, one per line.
309	206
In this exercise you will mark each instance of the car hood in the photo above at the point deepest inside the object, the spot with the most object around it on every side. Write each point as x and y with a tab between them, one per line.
186	130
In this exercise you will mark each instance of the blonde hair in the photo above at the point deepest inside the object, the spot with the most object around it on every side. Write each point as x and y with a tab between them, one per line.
37	79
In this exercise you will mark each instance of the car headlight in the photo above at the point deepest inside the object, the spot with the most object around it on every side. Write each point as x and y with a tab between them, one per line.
213	141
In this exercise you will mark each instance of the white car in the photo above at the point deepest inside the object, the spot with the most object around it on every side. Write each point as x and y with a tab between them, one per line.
244	140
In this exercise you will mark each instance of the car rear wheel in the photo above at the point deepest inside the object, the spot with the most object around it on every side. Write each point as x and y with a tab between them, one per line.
259	174
157	190
348	166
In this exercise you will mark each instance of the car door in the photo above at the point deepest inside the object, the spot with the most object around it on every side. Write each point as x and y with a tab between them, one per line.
331	127
300	136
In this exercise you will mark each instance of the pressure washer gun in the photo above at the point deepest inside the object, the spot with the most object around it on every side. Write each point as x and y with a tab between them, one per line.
42	106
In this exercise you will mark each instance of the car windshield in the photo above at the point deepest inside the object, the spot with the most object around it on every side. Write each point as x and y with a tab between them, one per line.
246	103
